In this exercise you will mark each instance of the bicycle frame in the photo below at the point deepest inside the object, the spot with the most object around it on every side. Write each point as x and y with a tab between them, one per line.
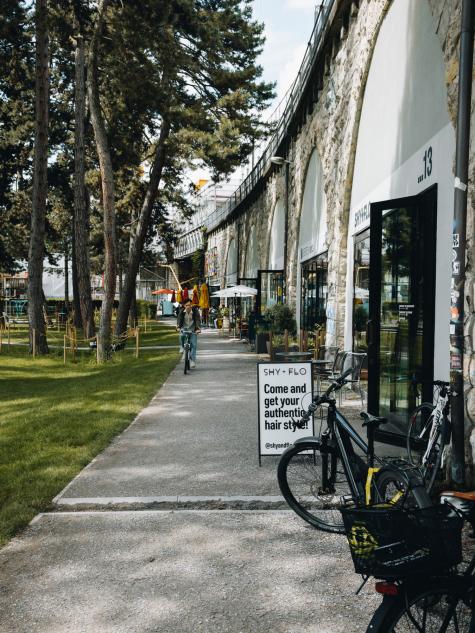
340	428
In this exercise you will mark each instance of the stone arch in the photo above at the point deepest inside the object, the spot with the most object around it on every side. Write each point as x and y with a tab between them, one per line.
251	261
311	233
420	112
231	269
276	246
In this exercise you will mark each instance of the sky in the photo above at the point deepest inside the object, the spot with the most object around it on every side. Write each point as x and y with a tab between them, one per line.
288	26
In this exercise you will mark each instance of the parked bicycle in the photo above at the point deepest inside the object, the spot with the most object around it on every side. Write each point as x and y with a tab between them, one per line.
429	432
316	475
186	349
415	554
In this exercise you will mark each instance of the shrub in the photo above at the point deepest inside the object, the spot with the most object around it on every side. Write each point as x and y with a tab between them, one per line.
281	318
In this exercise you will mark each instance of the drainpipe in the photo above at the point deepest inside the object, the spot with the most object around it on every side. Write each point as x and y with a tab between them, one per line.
459	242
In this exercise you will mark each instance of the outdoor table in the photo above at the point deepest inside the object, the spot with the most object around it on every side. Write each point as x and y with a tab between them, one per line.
294	357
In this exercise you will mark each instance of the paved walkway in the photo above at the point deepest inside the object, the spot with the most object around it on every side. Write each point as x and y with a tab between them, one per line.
166	530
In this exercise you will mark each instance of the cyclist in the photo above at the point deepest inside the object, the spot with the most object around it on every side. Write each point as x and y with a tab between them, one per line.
189	319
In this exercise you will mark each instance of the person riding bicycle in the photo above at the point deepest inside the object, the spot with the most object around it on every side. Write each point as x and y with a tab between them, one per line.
189	319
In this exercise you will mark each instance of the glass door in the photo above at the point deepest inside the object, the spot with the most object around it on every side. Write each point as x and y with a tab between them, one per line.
401	306
270	289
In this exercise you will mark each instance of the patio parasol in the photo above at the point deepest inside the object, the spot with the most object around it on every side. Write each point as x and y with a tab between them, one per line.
235	292
195	298
162	291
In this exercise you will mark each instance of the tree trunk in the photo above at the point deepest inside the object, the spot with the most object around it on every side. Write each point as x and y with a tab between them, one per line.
139	234
66	275
74	274
81	220
107	182
40	165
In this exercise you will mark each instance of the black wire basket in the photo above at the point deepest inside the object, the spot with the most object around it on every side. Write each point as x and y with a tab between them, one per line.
391	542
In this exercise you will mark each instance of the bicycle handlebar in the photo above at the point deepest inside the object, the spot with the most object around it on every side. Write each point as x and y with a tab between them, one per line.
336	384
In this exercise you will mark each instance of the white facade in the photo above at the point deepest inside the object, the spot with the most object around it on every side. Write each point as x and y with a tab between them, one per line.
404	114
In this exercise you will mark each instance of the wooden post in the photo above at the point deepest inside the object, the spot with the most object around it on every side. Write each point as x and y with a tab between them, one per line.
286	340
8	336
137	341
64	349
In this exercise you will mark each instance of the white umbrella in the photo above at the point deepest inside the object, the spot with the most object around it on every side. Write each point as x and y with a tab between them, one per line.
236	291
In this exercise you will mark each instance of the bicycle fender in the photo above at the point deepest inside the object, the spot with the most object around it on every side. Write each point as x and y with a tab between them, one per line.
316	441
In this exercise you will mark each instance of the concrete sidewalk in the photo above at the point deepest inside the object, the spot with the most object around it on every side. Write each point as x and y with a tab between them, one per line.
180	565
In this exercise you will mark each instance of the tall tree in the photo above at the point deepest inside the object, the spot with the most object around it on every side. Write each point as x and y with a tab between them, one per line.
207	99
81	220
17	86
107	186
37	238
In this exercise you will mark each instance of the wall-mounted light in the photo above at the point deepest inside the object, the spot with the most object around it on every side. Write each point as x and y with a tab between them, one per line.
279	160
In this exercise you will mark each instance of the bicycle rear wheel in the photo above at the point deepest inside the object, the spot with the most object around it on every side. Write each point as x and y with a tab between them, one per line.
187	361
440	608
418	432
301	472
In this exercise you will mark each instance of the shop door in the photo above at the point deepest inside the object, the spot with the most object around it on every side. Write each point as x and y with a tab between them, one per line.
401	306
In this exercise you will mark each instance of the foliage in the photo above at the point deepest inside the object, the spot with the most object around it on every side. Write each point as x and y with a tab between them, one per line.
280	318
55	419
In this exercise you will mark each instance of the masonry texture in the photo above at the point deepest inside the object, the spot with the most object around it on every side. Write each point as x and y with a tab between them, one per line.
332	129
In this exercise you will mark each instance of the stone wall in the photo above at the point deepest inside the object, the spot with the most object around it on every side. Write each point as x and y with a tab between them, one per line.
332	128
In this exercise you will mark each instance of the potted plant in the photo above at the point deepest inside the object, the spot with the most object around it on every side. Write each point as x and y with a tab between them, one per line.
262	338
224	314
282	326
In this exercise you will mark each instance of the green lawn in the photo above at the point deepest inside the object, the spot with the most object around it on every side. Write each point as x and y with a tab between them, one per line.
54	419
156	334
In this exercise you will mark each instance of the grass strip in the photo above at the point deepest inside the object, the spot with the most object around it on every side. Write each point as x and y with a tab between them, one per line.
55	419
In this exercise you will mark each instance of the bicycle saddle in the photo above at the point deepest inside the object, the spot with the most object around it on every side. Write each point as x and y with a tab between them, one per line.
372	419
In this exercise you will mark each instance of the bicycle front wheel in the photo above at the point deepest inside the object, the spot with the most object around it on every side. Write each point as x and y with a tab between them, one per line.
187	361
301	474
437	609
418	432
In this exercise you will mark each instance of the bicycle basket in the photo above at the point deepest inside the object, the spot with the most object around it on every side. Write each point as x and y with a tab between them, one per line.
389	542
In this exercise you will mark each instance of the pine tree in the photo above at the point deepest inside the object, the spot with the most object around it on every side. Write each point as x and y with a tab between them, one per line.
37	237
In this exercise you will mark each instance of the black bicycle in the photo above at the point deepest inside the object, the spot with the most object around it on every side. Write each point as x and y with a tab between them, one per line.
317	475
186	349
416	556
429	433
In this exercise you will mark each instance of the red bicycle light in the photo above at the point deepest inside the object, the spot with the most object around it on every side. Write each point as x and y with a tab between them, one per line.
386	588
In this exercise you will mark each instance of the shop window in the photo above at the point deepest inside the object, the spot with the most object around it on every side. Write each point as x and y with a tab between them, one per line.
314	292
361	292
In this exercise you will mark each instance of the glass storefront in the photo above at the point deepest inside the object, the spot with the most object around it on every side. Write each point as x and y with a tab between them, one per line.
361	292
314	291
402	295
247	303
270	289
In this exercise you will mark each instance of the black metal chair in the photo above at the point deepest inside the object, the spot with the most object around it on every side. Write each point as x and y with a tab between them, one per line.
327	372
355	361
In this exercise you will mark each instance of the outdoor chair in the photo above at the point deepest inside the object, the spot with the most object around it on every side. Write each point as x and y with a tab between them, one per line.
331	371
355	361
325	353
